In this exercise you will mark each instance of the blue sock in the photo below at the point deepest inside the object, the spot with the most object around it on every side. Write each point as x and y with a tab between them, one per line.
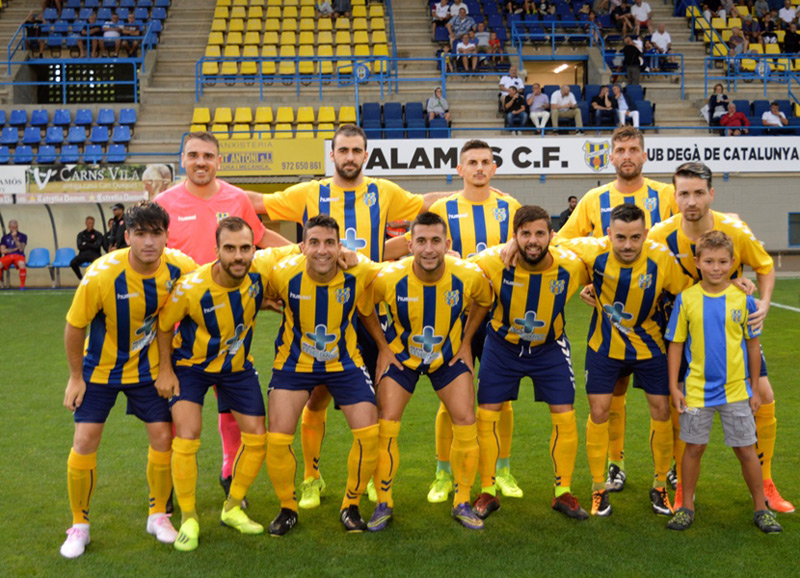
503	463
443	467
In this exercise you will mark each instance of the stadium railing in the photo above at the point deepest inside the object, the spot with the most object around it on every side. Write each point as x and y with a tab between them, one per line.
678	73
750	68
556	33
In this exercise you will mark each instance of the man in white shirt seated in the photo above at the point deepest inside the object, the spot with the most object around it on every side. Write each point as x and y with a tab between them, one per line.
440	16
787	14
661	39
641	17
774	118
564	105
456	6
625	109
510	79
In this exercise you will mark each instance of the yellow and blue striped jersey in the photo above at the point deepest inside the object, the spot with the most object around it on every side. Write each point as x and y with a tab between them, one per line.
362	214
120	307
747	250
318	331
529	305
714	328
473	227
216	323
624	323
428	318
592	215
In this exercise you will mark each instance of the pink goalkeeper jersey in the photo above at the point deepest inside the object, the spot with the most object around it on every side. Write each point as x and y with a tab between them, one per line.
193	221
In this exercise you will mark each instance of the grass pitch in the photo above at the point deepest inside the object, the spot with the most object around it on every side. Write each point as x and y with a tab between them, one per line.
524	538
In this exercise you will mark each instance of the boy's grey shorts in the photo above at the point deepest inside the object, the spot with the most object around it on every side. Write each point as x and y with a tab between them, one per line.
738	424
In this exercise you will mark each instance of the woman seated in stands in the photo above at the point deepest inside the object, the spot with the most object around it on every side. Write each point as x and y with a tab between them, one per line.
717	105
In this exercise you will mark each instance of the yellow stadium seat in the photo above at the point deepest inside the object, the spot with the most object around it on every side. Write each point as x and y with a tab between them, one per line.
305	114
311	3
342	23
377	24
221	12
359	12
294	3
362	50
795	2
284	114
238	12
307	24
254	25
325	130
198	128
343	37
240	2
306	38
232	51
305	130
359	23
201	115
249	67
721	49
379	37
253	38
287	66
274	12
229	69
380	50
213	51
271	38
734	23
210	68
306	66
693	11
701	23
283	131
772	49
219	25
220	131
326	114
796	66
324	24
255	12
268	67
288	38
360	37
272	25
325	37
718	24
274	3
780	34
241	132
224	3
289	24
344	65
726	35
234	38
262	132
263	115
216	38
307	12
259	3
236	25
376	11
325	66
347	114
289	12
243	115
744	10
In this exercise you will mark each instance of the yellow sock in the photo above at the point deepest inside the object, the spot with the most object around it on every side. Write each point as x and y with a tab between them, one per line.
661	446
388	460
184	475
597	449
444	434
464	459
312	431
766	431
563	449
360	463
678	445
281	467
505	430
159	479
246	466
81	481
616	430
489	447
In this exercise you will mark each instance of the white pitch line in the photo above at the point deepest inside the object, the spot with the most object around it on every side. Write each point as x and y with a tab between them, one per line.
789	307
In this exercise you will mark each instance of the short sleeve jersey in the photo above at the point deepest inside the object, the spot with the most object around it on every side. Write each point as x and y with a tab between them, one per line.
8	242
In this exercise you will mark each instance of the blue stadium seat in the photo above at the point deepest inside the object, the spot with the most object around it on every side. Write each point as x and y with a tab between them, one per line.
123	14
62	117
416	128
116	153
23	155
70	154
68	14
759	108
127	116
141	14
38	258
743	106
785	107
393	110
31	136
99	135
370	111
54	135
105	117
76	135
645	109
46	155
63	257
395	128
84	117
372	128
9	136
162	4
39	118
109	3
103	14
590	91
549	89
414	110
439	128
93	4
58	34
93	154
74	4
19	117
127	4
2	117
5	155
159	14
85	13
634	91
145	3
441	35
50	14
121	134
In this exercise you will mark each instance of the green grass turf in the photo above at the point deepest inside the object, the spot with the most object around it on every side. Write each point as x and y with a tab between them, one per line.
524	537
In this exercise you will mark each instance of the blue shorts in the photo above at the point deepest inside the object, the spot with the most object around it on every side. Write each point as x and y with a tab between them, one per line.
479	339
367	345
504	364
143	402
441	377
346	387
763	372
239	391
602	373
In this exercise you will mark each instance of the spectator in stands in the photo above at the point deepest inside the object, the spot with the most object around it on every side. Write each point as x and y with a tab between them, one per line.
12	251
736	123
641	16
529	7
621	15
751	30
717	105
342	8
572	202
460	25
440	16
564	105
600	7
661	39
545	7
116	239
482	36
57	4
774	118
538	106
456	6
760	8
791	40
650	57
95	34
603	108
467	54
769	29
34	40
737	43
787	14
631	60
324	9
713	9
90	243
495	47
514	106
132	31
515	6
597	30
507	81
437	106
447	53
626	109
112	36
156	178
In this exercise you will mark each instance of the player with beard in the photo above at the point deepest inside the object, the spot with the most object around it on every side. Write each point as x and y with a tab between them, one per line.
526	338
694	196
362	206
216	307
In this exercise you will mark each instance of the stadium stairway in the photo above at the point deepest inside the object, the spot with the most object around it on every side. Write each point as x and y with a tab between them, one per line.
12	15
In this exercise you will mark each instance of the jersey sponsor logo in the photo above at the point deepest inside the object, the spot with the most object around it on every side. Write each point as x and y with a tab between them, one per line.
557	286
650	204
457	215
221	216
300	297
407	299
214	308
616	314
321	339
235	343
328	199
342	295
528	324
512	283
500	214
478	248
370	198
451	298
147	332
428	340
596	155
645	281
606	209
352	241
126	296
188	218
736	315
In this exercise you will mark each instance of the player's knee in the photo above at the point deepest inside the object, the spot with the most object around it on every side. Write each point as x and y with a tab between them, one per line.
161	436
765	390
86	441
694	451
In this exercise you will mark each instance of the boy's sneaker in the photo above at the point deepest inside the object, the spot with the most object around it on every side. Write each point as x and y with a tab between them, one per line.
76	542
485	504
440	487
188	537
372	493
236	518
600	504
660	501
766	522
283	522
672	476
507	483
774	499
568	505
682	519
311	490
467	517
380	517
158	525
352	520
226	486
616	478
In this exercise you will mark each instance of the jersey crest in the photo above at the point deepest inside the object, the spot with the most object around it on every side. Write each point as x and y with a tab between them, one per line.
736	316
557	286
500	214
650	204
370	198
221	216
596	155
645	281
343	295
451	298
